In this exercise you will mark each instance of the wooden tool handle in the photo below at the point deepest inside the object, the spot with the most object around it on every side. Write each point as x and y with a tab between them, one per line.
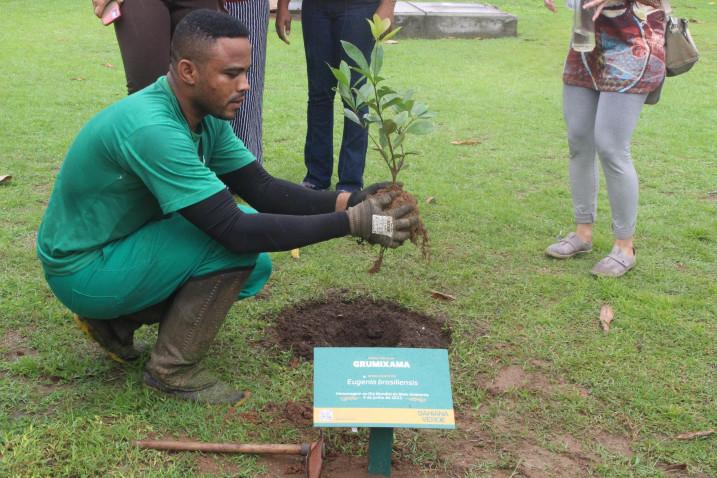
255	448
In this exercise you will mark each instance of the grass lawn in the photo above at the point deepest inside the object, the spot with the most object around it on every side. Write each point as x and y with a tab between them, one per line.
537	385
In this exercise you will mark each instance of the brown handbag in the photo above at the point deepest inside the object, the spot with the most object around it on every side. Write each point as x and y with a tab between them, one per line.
680	50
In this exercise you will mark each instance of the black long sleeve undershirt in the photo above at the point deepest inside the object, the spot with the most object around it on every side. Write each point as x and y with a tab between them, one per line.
266	193
220	218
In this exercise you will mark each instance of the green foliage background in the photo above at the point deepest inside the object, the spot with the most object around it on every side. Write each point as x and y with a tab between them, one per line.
65	410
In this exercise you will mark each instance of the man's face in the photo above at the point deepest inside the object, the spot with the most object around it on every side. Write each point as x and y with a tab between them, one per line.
222	78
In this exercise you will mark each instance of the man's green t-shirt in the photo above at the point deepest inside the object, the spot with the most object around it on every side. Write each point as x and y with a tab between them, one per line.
134	162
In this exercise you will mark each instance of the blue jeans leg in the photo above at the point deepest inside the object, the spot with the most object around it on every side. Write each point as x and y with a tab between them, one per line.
353	27
324	24
320	52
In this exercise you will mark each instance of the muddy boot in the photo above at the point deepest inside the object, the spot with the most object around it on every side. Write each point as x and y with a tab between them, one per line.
185	334
116	336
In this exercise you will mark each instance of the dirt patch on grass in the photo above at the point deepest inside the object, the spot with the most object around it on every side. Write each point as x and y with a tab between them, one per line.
537	462
339	467
215	465
357	467
13	347
356	322
615	444
514	377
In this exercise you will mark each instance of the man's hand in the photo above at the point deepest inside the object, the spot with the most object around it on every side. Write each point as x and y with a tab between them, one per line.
549	5
386	10
283	21
598	5
99	6
371	221
360	196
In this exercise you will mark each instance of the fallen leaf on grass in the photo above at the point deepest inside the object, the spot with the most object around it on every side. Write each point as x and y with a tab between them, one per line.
78	78
430	200
606	316
108	65
466	142
295	254
675	467
391	42
442	295
5	179
691	435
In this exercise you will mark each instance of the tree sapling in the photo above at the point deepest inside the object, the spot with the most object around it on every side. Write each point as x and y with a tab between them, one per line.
388	115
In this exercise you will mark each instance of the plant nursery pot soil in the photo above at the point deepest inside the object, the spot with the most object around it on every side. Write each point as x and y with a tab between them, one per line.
356	322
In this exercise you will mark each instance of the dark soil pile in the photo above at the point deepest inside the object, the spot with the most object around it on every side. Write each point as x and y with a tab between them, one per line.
356	322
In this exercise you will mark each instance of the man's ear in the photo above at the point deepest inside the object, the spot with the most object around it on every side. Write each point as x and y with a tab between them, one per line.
187	71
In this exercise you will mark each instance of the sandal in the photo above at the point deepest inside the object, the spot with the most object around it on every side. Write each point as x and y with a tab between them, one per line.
568	247
615	264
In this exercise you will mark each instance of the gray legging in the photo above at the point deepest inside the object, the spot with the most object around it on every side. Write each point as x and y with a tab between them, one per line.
602	123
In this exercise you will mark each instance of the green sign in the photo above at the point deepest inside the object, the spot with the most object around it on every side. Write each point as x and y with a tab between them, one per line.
382	387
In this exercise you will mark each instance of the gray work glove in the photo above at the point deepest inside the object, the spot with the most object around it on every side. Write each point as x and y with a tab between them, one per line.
371	220
360	196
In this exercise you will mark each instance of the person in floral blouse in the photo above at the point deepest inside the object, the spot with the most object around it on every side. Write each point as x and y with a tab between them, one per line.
603	94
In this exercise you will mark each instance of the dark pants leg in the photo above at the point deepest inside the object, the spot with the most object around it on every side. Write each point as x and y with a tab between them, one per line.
144	32
354	28
324	25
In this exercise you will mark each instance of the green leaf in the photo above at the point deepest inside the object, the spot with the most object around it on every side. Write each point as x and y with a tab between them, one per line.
385	25
389	100
389	126
340	76
346	96
363	75
401	118
382	138
352	116
407	105
391	34
376	59
418	109
372	118
365	93
374	28
420	127
355	54
345	71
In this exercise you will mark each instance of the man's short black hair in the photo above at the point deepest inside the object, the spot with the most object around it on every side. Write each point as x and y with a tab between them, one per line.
195	34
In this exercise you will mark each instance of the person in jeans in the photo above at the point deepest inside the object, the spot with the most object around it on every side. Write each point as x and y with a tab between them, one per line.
603	94
142	226
144	31
324	24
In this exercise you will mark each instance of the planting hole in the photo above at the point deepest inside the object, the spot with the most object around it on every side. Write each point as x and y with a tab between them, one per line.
356	322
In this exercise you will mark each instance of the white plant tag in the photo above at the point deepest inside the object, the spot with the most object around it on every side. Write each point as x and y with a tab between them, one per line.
382	225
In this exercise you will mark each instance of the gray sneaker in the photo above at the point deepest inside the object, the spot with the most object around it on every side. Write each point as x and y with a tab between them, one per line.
615	264
568	247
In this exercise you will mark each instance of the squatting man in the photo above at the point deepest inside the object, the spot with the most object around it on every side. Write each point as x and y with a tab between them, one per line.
142	226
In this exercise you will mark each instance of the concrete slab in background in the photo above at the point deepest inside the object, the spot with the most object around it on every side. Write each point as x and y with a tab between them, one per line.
447	20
